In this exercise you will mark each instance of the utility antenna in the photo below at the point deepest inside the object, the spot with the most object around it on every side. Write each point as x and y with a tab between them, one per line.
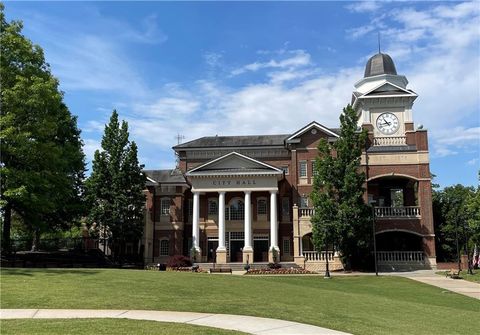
378	34
179	138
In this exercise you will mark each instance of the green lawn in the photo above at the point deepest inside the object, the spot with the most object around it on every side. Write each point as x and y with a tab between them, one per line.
360	305
103	327
464	275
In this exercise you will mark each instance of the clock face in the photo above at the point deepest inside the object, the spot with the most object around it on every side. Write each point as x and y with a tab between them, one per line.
388	123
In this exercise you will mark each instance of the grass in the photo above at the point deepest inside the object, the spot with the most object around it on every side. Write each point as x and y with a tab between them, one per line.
359	305
103	327
464	275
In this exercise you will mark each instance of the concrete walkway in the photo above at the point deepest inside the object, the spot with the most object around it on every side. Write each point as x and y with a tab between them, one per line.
429	277
247	324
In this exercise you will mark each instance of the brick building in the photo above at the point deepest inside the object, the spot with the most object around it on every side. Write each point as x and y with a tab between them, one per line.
246	198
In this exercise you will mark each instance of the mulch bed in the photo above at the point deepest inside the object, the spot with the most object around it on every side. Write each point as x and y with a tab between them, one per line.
281	271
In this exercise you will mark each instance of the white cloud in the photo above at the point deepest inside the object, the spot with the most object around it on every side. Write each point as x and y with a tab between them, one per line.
364	6
89	148
300	58
473	162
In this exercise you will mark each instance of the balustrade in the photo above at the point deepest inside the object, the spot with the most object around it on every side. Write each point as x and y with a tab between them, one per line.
307	211
318	255
397	212
391	140
400	257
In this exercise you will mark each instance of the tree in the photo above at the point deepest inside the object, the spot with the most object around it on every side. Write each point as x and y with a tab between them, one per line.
451	215
42	163
473	209
115	187
341	215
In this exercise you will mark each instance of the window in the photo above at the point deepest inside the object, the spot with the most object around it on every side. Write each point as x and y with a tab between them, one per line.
236	210
285	169
314	170
261	207
165	206
212	207
286	246
303	169
303	202
285	207
164	247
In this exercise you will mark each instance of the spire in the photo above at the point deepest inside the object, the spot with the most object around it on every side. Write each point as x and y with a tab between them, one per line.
378	35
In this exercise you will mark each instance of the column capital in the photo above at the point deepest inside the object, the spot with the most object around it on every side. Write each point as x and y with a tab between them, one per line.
273	191
247	192
222	192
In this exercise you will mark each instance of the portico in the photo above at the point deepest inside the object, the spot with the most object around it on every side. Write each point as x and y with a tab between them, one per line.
237	177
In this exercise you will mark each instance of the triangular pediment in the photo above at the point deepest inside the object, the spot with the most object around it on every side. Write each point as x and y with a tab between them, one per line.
309	127
389	89
234	163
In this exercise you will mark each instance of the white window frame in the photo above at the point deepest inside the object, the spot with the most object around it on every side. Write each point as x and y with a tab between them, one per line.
165	209
260	199
302	167
233	215
209	202
304	202
164	247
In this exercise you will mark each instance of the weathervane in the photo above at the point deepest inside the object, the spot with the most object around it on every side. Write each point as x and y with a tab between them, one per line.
179	138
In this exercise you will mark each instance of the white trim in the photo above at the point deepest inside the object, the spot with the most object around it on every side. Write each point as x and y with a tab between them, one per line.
409	93
150	179
308	127
275	169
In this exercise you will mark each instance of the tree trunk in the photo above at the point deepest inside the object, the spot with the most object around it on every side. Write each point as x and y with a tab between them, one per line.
7	224
35	240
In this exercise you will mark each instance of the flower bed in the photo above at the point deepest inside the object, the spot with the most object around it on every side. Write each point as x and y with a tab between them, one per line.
186	269
281	271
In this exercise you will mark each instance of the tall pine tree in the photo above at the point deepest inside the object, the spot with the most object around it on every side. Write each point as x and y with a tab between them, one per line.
341	215
115	187
42	163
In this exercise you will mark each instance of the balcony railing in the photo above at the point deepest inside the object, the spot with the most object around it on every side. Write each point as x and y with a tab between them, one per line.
397	212
391	140
380	212
306	211
385	257
318	256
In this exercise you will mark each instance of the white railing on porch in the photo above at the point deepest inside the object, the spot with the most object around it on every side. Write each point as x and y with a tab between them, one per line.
391	140
318	256
400	257
307	211
397	212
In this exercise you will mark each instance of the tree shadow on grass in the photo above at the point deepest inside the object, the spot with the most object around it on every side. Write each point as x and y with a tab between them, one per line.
32	272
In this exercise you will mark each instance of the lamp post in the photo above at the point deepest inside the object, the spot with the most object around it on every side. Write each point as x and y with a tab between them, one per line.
469	266
372	203
456	241
327	270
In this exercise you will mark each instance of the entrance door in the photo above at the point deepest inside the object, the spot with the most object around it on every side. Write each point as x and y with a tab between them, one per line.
212	249
236	251
260	250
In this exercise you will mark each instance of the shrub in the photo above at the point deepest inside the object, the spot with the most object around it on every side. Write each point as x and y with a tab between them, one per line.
274	266
179	261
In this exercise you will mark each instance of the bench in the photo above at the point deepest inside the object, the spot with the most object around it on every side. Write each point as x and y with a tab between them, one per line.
221	270
454	274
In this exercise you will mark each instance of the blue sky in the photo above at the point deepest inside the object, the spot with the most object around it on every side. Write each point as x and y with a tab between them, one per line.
207	68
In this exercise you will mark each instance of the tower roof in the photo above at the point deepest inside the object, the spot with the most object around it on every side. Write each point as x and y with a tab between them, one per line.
379	64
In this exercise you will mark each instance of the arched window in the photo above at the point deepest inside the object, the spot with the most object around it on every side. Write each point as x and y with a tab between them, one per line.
236	210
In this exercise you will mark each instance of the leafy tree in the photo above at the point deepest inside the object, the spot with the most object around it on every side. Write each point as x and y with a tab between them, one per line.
42	163
341	215
451	214
115	187
473	209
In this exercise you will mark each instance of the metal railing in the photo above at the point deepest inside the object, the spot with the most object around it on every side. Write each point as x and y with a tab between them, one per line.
391	140
397	212
318	256
400	257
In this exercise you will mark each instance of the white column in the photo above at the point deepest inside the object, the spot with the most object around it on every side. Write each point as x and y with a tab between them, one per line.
195	223
221	221
273	221
248	222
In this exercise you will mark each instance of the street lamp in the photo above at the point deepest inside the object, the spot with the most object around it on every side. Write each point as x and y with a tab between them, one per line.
327	270
372	203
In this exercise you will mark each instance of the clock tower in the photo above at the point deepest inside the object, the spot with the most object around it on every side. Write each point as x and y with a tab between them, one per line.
383	102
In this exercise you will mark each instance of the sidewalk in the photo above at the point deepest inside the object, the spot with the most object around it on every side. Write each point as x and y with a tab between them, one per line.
429	277
247	324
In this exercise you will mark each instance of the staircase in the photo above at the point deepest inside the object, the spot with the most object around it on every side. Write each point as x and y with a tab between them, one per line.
241	266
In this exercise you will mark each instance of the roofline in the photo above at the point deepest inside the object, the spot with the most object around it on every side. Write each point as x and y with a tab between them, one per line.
189	173
389	83
230	148
310	125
